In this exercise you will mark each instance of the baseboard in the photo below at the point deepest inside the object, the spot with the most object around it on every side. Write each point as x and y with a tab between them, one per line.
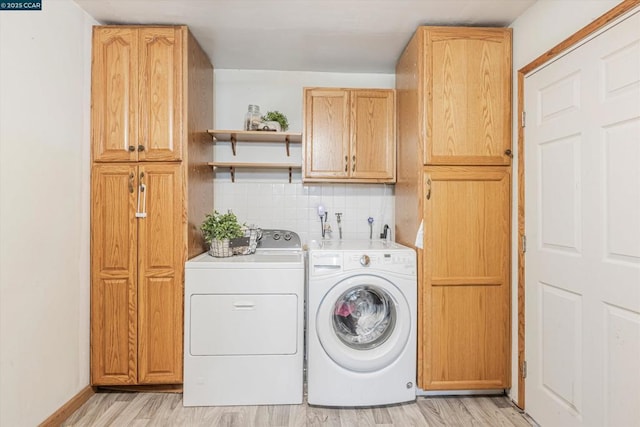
433	393
151	388
65	411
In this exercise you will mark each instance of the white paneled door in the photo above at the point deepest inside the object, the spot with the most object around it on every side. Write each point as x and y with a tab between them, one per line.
582	187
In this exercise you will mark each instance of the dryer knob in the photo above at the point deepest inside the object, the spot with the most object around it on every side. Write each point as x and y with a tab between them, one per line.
287	236
365	260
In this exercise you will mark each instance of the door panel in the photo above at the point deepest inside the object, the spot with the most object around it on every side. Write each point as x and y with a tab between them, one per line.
160	94
466	289
470	324
254	316
114	89
582	222
113	280
326	134
469	73
160	274
373	153
160	320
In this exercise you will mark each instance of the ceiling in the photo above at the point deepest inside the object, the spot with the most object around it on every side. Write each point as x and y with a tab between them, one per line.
364	36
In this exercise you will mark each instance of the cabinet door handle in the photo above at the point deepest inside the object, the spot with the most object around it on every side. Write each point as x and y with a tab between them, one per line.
140	147
346	163
142	198
353	164
131	176
132	148
428	185
508	152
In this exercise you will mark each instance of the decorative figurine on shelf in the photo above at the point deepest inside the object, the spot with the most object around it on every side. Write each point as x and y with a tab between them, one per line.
276	119
273	121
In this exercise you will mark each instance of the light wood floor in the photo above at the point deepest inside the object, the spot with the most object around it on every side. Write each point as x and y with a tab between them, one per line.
165	409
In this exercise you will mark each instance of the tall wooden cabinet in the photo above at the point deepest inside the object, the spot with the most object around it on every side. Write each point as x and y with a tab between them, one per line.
349	135
453	90
152	101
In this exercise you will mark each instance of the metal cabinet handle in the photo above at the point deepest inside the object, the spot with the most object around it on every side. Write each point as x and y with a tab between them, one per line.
346	163
353	164
508	152
140	147
132	148
428	182
142	198
131	176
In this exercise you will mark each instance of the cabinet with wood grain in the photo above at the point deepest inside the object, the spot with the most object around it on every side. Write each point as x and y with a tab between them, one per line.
152	87
137	94
465	284
453	88
466	78
349	135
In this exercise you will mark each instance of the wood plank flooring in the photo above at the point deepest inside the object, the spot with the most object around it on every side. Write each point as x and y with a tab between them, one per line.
165	409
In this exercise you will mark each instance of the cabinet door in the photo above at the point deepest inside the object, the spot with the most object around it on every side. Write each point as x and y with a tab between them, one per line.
113	275
161	249
326	133
160	93
468	75
465	315
373	142
114	92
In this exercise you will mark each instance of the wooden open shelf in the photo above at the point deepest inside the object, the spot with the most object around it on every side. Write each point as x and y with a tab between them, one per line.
255	136
232	166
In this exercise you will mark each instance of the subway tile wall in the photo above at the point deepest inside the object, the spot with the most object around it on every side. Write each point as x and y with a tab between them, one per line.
293	206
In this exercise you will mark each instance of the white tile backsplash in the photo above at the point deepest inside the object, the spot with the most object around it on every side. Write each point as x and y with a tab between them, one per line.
293	206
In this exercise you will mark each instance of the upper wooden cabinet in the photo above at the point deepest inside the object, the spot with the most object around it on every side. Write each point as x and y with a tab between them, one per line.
464	88
137	94
349	135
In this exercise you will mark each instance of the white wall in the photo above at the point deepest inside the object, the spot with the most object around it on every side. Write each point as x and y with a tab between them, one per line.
538	29
44	210
266	198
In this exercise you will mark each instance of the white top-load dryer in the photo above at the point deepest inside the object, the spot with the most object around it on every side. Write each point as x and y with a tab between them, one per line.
244	327
361	330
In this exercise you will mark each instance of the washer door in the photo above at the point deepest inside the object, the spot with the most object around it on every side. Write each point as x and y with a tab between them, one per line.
363	323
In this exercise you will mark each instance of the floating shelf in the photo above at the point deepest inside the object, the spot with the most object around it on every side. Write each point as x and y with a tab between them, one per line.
232	166
255	136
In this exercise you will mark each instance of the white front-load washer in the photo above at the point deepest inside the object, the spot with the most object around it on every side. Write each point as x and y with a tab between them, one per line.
244	325
361	324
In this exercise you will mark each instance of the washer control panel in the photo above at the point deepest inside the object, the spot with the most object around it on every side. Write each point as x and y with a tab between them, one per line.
326	262
398	261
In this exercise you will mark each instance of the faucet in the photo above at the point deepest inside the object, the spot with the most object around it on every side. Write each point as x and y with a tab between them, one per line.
323	214
385	230
339	221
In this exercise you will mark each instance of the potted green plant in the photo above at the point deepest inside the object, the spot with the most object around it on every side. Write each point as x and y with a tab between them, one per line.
218	229
276	116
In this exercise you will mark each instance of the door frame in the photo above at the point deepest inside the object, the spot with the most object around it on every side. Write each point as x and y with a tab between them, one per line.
563	47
